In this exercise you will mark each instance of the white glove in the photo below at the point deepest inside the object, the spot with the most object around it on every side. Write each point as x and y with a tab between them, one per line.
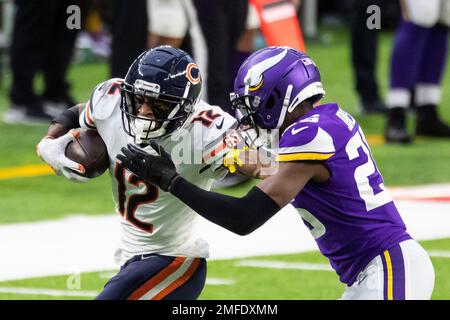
52	151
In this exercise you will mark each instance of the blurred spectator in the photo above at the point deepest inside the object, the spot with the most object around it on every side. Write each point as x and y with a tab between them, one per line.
168	23
41	41
129	33
212	29
5	29
94	42
215	29
245	44
364	44
244	49
417	65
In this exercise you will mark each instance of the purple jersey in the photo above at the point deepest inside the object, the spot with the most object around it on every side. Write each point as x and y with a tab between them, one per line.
352	216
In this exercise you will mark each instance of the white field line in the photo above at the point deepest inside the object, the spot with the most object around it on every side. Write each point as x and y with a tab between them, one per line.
48	292
107	275
209	281
312	266
218	281
86	244
425	191
90	294
439	253
284	265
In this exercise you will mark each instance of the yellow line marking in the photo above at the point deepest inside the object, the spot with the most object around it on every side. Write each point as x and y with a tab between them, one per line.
43	169
375	140
390	288
25	171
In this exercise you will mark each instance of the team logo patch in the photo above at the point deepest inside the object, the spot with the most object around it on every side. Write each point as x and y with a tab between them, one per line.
193	73
256	87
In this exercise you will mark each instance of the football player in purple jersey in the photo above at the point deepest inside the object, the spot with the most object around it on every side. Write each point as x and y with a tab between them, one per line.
325	170
418	62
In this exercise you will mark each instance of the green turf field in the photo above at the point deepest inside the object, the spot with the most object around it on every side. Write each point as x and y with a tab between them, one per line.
50	197
247	282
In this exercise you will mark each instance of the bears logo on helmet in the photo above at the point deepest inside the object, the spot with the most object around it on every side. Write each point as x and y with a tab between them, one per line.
193	73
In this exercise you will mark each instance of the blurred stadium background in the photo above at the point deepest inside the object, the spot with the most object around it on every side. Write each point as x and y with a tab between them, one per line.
31	198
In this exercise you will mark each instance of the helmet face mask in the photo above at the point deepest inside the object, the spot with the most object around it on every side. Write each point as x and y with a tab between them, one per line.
164	109
169	82
246	107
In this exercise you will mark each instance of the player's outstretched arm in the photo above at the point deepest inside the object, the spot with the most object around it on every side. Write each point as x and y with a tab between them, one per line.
239	215
251	162
246	214
52	147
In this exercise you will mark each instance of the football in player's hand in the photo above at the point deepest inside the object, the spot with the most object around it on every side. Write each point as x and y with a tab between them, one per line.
89	150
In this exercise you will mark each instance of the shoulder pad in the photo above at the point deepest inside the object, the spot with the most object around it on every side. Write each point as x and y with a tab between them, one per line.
217	131
213	121
105	98
305	141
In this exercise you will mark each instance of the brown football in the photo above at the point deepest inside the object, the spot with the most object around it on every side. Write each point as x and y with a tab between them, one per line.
89	150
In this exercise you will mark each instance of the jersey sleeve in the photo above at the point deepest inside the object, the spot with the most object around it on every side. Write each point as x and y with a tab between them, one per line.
101	103
219	136
305	141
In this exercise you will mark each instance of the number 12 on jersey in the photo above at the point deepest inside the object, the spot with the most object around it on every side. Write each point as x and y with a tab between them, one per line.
127	209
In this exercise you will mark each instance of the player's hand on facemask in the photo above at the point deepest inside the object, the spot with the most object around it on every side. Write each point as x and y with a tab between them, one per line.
52	151
156	169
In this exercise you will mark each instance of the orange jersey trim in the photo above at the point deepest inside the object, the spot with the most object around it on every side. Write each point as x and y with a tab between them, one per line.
89	120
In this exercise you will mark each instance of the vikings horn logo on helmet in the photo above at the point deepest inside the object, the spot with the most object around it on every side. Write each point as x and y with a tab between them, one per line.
254	77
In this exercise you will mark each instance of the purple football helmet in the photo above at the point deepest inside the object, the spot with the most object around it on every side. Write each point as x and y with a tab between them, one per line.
271	83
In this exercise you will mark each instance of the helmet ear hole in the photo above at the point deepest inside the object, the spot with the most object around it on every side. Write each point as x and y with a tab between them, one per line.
277	92
270	102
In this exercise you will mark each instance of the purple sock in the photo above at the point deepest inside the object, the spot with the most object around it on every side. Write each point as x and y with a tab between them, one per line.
409	47
435	57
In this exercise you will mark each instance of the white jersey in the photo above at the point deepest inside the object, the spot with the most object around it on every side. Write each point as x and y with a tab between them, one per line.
154	221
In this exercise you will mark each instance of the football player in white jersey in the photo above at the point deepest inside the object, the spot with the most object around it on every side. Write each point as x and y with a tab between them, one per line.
160	255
